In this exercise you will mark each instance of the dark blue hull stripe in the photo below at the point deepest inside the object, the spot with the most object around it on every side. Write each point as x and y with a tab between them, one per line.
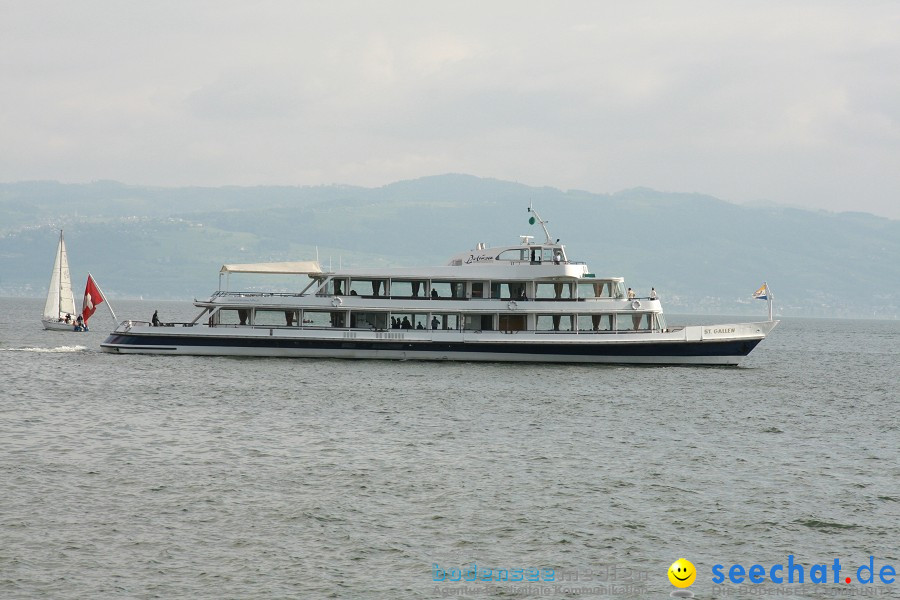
637	349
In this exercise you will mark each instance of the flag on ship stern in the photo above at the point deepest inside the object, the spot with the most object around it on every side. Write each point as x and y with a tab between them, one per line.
92	297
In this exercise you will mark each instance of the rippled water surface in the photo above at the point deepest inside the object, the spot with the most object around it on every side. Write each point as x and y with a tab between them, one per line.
165	477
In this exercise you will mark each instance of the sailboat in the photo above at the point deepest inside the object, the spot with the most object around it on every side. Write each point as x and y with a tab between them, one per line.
60	303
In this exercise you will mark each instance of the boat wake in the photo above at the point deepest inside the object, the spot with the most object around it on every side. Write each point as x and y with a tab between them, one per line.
58	349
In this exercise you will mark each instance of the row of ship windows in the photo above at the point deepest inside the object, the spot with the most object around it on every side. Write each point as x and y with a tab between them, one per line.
507	290
631	321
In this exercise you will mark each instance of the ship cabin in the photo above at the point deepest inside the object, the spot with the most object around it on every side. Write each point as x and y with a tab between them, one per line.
531	287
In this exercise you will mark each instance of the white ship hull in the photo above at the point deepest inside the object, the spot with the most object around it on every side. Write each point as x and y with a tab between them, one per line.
694	345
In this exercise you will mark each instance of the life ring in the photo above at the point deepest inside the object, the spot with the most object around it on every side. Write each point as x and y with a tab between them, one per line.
635	304
513	305
336	302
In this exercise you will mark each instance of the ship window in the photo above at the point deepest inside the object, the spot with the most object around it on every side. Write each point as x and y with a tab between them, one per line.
595	322
277	318
447	289
630	321
508	290
620	289
368	320
408	321
548	254
554	323
324	318
513	323
589	290
337	287
479	322
517	254
477	289
444	321
535	256
240	316
661	321
408	289
368	287
597	289
551	291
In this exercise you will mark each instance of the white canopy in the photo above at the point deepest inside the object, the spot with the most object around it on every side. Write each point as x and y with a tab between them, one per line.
305	267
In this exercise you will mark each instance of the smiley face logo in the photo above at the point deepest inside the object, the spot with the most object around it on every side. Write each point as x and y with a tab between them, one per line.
682	573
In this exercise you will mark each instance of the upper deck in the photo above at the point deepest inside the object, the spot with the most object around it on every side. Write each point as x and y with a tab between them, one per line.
516	271
522	262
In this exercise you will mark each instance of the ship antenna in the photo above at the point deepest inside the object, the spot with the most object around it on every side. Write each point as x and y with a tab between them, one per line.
542	222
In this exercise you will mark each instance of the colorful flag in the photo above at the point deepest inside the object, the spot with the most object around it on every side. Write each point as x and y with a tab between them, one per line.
92	298
762	293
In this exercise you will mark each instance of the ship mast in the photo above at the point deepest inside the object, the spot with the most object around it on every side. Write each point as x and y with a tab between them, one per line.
542	222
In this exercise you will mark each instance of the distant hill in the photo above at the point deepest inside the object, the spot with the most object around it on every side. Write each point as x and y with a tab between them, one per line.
701	253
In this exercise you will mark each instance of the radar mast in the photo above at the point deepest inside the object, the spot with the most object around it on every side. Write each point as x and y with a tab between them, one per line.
542	223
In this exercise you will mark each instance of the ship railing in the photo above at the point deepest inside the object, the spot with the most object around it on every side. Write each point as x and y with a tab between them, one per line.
307	327
594	331
540	262
134	323
225	294
501	298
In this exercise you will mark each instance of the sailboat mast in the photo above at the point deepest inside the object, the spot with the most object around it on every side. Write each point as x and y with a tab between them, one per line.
59	248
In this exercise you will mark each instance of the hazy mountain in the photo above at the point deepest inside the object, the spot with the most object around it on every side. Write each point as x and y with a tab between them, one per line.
702	254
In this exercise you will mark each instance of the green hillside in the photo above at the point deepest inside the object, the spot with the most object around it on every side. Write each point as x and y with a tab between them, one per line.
702	254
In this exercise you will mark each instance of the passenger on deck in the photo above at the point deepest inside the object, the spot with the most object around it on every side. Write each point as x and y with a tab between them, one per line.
631	294
557	258
419	326
653	295
434	322
155	320
395	324
406	324
434	293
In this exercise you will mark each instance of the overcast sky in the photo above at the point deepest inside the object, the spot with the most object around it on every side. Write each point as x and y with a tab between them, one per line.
789	102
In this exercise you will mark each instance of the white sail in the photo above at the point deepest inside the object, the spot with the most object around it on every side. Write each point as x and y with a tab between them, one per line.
60	300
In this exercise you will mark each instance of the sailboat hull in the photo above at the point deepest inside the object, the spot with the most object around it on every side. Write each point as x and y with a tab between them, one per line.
52	325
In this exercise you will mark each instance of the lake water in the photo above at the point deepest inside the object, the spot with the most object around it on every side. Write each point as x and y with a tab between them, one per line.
193	477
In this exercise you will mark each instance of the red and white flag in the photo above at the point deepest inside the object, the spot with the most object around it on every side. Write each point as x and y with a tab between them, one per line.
92	298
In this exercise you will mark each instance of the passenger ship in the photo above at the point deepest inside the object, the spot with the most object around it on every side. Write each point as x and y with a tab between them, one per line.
527	302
